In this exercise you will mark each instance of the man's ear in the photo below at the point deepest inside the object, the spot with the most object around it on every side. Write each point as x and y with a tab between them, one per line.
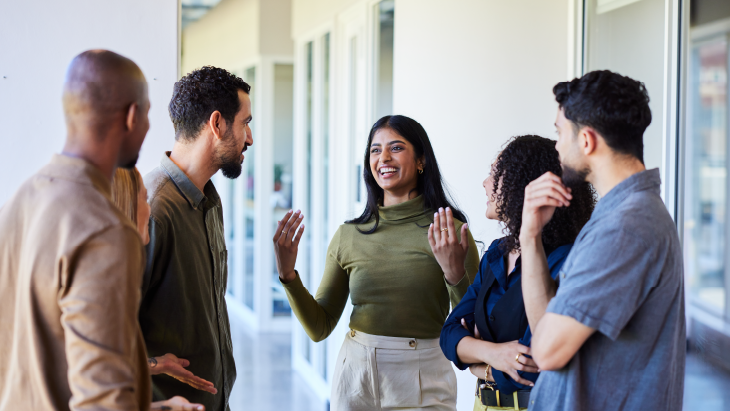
588	140
216	124
132	116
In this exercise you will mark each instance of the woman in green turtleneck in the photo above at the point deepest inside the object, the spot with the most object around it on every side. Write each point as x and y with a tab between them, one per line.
383	260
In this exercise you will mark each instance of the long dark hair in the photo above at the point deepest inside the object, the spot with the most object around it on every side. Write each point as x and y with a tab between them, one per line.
524	159
430	184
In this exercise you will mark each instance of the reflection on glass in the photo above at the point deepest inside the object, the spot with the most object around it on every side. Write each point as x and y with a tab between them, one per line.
305	245
281	196
325	167
248	206
628	38
230	230
706	168
353	115
385	10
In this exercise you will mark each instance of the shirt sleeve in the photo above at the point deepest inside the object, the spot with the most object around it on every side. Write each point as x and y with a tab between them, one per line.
452	331
99	318
471	266
319	315
505	383
606	281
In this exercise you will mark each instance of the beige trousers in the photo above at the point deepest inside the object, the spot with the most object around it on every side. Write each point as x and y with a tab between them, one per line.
391	373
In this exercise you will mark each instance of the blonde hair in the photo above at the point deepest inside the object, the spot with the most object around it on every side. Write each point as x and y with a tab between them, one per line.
125	190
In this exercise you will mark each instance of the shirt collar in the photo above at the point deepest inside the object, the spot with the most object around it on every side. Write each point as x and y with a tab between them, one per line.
80	171
641	181
495	258
192	194
402	211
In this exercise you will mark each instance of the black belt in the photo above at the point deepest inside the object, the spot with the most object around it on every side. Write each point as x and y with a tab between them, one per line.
494	398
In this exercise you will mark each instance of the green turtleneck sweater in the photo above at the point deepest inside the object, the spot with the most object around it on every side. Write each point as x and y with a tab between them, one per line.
397	287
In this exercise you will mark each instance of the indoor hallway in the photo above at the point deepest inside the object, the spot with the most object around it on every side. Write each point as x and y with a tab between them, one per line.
267	382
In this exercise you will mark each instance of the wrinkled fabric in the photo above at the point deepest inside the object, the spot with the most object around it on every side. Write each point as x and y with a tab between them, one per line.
387	373
623	278
396	286
183	309
70	268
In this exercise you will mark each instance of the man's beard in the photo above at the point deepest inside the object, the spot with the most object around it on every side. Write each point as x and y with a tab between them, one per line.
130	165
573	177
229	162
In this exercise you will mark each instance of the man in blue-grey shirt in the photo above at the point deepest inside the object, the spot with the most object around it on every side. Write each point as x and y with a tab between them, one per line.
612	335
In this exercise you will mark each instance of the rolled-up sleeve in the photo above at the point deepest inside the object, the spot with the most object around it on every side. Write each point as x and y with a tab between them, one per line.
452	331
99	307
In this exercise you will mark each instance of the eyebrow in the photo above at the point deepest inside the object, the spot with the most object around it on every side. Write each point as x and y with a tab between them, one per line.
390	143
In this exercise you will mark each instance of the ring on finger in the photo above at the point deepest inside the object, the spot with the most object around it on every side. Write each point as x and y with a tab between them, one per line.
444	229
283	231
518	357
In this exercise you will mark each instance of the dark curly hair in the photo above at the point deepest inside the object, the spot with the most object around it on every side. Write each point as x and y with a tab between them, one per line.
429	185
201	92
524	159
614	105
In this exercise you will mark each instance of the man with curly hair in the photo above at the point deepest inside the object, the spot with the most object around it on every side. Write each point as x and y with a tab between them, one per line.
612	336
183	314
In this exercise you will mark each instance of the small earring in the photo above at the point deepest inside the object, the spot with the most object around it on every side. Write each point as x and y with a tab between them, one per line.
420	171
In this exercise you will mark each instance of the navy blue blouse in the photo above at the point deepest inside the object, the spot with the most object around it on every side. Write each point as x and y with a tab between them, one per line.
493	263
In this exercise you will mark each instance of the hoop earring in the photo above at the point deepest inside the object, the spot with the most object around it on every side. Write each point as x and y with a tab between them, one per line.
420	171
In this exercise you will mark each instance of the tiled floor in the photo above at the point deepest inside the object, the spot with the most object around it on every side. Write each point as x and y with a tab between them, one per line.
266	381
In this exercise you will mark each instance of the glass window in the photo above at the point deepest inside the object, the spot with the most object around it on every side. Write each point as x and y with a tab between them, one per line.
325	171
706	156
249	206
706	178
306	243
627	37
281	196
385	12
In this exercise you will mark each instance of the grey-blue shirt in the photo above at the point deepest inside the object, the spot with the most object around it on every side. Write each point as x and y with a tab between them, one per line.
623	278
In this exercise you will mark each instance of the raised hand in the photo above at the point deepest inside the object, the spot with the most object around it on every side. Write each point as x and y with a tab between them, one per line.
286	244
449	252
175	367
176	404
542	196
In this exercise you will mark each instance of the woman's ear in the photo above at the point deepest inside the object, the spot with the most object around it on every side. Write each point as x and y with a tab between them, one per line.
421	163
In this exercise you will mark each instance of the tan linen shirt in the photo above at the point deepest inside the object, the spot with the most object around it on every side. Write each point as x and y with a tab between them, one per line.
71	268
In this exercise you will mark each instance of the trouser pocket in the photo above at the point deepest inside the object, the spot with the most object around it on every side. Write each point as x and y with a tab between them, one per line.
398	378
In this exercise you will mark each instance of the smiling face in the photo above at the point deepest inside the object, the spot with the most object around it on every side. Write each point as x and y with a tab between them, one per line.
488	185
393	163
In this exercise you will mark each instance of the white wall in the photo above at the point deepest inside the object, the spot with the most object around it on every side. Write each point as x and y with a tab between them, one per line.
37	41
474	73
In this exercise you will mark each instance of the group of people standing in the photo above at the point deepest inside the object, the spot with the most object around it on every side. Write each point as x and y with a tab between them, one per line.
112	284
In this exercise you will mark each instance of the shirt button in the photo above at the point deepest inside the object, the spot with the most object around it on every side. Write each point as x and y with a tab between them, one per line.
562	275
491	318
412	343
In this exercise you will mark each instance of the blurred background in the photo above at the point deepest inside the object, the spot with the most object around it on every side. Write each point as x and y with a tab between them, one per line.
473	72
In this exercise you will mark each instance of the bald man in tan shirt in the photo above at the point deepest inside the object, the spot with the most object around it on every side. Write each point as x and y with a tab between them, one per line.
71	263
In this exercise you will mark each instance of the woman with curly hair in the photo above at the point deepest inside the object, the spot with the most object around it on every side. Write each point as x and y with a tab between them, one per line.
488	331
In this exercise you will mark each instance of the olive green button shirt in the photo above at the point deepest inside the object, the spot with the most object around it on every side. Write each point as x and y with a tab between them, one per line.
396	286
183	308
